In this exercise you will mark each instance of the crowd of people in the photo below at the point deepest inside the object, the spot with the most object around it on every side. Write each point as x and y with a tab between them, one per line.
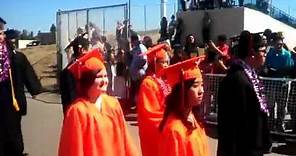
262	5
164	81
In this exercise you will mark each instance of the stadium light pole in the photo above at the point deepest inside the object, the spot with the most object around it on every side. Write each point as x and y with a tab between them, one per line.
129	10
163	8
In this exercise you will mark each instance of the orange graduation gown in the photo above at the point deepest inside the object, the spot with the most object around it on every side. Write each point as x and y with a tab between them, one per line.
176	140
88	132
150	109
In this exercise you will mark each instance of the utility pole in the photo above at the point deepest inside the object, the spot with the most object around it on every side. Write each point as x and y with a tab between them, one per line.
129	9
129	17
145	18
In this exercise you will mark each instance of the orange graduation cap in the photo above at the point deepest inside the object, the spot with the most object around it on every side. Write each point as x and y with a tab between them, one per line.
91	61
156	52
182	71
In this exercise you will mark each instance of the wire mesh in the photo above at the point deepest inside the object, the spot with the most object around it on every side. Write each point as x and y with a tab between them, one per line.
281	98
74	22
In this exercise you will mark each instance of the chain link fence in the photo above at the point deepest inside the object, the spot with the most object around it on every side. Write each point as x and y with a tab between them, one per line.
74	22
147	17
281	98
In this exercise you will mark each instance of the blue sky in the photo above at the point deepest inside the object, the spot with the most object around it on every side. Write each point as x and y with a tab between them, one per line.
35	15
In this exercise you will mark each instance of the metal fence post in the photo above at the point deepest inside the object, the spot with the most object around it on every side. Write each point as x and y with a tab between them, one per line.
145	19
87	23
104	22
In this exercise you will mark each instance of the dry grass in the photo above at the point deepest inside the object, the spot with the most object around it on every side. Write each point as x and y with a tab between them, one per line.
43	60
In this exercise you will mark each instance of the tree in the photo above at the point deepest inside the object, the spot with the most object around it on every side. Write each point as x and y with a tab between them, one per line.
53	29
31	36
24	34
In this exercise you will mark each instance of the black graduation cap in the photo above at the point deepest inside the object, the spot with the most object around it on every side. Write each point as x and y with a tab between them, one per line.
2	21
78	41
12	34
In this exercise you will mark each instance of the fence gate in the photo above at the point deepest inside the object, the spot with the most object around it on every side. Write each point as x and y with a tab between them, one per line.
70	23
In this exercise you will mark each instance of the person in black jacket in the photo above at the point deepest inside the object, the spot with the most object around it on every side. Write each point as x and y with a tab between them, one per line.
242	106
67	84
15	68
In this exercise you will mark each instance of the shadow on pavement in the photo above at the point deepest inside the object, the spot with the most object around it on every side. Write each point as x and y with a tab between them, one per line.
288	149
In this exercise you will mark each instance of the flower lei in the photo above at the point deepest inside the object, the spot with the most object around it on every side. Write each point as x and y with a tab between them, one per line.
256	83
164	87
4	63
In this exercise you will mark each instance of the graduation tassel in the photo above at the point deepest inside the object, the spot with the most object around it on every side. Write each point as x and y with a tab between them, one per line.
14	101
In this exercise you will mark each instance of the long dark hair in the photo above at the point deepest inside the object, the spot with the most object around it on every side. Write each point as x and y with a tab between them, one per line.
174	104
190	47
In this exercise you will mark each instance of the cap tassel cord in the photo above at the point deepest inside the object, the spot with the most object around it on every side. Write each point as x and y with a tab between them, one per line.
14	101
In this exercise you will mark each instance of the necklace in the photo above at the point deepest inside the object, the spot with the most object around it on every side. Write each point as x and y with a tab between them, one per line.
256	84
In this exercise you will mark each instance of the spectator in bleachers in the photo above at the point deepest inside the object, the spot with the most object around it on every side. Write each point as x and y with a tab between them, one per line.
172	27
241	3
193	4
224	3
206	27
183	5
242	106
209	4
179	31
163	29
190	45
151	100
